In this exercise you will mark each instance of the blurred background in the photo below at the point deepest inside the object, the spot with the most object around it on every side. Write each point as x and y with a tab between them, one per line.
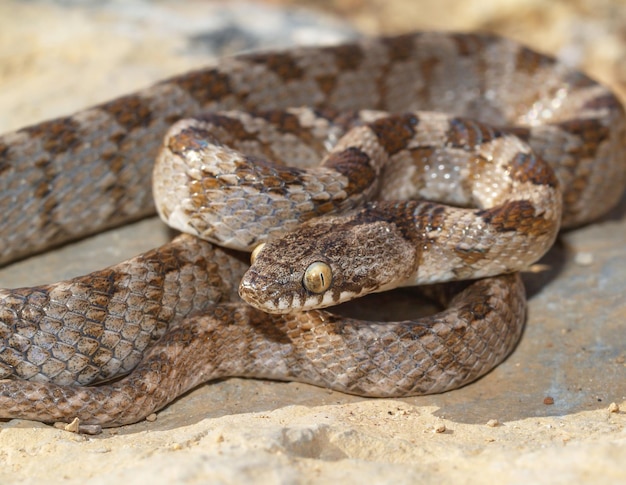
53	49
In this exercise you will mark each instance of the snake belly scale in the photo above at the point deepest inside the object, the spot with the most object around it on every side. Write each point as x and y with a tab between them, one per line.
172	318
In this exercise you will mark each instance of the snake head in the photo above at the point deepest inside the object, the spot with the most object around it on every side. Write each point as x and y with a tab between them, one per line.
328	261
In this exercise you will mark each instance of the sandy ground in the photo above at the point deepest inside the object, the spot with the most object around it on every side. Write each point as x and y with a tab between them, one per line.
57	58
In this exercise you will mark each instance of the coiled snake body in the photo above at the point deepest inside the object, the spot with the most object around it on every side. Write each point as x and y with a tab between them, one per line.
172	318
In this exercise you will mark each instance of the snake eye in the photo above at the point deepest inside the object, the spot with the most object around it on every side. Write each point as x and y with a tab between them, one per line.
255	252
317	277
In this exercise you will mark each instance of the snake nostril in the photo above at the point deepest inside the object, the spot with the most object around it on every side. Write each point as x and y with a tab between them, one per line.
254	288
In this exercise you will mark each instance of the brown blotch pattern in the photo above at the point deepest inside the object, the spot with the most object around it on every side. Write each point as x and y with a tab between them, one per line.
326	83
476	310
57	136
283	120
282	64
348	57
400	48
468	133
286	122
4	156
190	138
470	45
129	111
470	256
576	186
234	127
204	86
356	166
264	177
521	132
428	69
590	131
517	215
412	218
395	132
326	207
429	216
529	62
42	190
526	167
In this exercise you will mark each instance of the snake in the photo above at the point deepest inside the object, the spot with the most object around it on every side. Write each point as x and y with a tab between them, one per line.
445	156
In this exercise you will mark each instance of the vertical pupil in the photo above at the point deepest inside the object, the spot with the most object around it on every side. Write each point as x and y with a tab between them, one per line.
315	277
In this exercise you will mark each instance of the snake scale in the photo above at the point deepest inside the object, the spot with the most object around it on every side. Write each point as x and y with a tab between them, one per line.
172	318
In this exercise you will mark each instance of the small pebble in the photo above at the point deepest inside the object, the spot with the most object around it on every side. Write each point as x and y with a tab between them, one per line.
73	427
492	423
613	407
548	400
583	259
440	428
76	427
90	429
151	417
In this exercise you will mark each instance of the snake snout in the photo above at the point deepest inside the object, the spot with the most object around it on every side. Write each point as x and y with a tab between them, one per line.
258	290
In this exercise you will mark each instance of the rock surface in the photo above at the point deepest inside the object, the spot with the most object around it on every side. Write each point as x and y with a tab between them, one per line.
544	416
